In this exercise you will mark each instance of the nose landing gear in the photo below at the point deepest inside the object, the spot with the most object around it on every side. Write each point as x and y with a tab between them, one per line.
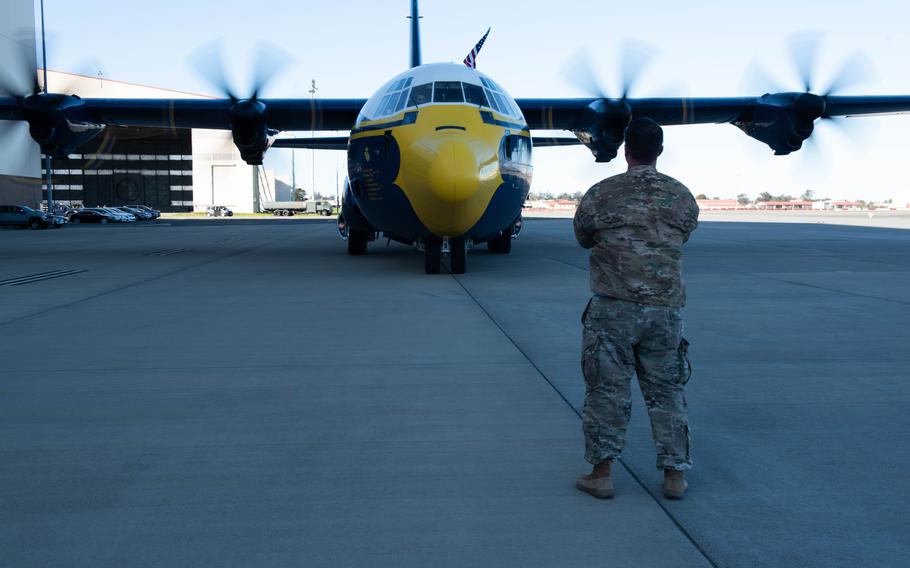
433	249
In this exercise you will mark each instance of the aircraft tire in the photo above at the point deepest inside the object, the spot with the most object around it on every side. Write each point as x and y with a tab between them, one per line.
459	248
501	244
433	255
357	243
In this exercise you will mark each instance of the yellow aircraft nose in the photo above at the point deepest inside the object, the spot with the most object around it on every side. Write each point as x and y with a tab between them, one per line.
450	177
453	175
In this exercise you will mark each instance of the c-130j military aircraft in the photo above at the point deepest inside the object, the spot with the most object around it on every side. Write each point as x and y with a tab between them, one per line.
440	156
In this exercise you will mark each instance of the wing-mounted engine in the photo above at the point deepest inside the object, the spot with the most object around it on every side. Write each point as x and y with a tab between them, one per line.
248	115
783	121
58	123
249	129
602	127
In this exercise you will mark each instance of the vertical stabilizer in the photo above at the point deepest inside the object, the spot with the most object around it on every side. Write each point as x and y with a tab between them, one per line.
415	34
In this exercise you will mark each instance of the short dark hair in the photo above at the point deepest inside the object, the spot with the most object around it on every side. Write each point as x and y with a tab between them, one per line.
644	139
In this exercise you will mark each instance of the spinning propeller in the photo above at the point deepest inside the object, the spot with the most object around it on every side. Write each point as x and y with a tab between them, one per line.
804	49
247	114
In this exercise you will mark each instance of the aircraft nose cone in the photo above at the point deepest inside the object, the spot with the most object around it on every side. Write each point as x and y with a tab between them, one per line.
453	172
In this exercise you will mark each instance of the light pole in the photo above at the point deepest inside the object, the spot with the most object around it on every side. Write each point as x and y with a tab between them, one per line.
313	90
47	157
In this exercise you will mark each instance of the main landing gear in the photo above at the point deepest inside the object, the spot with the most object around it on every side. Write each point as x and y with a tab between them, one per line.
458	255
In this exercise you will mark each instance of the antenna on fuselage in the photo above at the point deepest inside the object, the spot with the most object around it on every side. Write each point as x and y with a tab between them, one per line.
415	34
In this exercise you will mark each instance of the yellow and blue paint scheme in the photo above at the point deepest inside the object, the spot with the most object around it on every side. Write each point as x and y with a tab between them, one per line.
425	162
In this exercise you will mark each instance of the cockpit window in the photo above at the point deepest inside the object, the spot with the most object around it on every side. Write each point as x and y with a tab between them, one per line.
400	84
447	92
421	94
474	95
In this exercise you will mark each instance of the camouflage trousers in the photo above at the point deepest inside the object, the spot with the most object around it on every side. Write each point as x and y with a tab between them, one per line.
622	339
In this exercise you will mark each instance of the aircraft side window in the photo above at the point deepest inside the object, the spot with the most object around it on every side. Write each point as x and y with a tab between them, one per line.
516	149
421	94
387	104
447	92
486	83
396	85
492	98
407	82
402	100
474	95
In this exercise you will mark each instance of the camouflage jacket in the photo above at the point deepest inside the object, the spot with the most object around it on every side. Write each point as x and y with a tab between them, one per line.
636	223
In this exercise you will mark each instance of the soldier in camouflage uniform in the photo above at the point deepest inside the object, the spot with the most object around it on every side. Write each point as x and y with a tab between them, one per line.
635	224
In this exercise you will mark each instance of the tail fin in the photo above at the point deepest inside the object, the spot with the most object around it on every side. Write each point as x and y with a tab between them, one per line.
415	34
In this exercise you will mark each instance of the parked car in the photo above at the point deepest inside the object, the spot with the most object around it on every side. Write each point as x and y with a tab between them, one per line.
218	211
118	215
138	213
21	216
58	221
91	216
155	213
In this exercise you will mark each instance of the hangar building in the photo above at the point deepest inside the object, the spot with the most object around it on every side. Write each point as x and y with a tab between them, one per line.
168	169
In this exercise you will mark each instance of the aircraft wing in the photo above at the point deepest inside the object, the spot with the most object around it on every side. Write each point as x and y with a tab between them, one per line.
783	121
324	143
569	114
279	114
341	142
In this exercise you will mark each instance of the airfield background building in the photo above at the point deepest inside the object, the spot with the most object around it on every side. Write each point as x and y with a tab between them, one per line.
168	169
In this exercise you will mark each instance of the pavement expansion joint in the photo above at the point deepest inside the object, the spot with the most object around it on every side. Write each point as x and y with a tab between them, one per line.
701	550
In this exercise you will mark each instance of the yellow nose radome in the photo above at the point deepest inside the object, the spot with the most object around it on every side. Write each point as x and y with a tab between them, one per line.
449	167
453	172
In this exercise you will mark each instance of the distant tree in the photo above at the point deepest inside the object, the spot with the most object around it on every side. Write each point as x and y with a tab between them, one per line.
889	200
564	195
743	199
299	194
808	195
782	197
764	196
701	196
577	196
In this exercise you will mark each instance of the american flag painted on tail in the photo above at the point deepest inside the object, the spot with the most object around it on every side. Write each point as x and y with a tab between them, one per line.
471	59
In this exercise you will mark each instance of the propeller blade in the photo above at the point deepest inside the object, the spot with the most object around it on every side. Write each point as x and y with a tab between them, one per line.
854	130
804	50
635	57
208	62
757	80
270	61
856	71
580	73
20	78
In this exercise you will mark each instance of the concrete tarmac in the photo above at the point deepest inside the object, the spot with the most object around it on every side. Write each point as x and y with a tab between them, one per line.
244	393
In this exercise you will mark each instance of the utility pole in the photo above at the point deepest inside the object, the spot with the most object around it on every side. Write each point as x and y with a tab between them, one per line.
293	174
47	157
313	90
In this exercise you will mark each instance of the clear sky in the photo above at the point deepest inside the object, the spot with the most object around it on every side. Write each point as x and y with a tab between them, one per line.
703	49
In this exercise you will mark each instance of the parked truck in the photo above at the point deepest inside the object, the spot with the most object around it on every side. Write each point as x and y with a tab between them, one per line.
291	208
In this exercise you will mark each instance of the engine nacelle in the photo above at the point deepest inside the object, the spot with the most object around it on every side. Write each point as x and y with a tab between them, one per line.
59	123
602	127
783	121
249	130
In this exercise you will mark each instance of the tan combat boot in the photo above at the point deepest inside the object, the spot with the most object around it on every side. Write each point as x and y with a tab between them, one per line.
675	484
598	483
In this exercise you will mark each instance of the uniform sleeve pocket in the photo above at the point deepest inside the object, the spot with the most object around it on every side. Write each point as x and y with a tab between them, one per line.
685	366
